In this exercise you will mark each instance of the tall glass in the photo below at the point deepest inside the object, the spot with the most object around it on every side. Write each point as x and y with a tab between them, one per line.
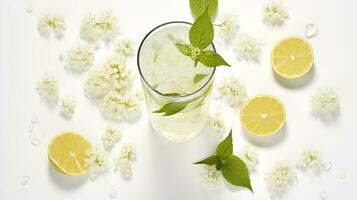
177	94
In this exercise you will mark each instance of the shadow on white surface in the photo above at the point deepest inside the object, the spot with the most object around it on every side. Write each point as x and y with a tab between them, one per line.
266	141
295	83
66	182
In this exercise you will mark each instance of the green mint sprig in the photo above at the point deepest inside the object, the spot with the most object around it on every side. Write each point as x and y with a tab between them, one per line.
198	6
201	36
172	108
232	167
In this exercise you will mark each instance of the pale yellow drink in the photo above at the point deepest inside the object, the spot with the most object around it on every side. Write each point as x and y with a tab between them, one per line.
168	78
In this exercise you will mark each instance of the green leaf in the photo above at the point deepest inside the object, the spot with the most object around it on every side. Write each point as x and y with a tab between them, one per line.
173	94
236	172
172	108
201	33
198	6
199	77
185	49
211	59
209	161
225	148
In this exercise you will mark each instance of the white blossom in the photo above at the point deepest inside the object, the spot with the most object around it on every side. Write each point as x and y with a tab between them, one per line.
211	177
248	48
128	151
97	160
227	25
280	177
98	84
310	159
250	157
124	161
216	122
233	89
275	13
125	47
48	89
51	22
110	137
101	26
67	107
325	100
117	106
80	58
120	74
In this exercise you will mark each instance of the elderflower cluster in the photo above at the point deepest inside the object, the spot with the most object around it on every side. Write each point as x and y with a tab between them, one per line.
110	137
98	84
310	160
250	157
80	58
216	122
125	47
248	48
116	106
211	177
233	89
51	22
275	13
280	177
325	100
47	88
67	107
120	74
125	160
103	26
227	24
96	160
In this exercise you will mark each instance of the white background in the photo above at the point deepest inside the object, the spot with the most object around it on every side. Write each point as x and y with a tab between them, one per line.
163	170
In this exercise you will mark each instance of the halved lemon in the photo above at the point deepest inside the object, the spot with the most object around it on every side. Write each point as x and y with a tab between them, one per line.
292	57
262	115
67	153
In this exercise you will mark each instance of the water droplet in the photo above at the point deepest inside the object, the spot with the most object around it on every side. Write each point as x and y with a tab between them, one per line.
34	120
25	180
29	9
93	176
113	193
34	141
327	166
30	128
342	175
311	31
323	195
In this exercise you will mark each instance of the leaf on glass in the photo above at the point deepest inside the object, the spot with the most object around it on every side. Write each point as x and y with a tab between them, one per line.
236	172
199	77
209	161
225	148
172	108
173	94
211	59
198	6
185	49
201	33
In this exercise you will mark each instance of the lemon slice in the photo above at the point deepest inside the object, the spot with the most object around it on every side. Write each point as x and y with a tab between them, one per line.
262	115
292	57
67	153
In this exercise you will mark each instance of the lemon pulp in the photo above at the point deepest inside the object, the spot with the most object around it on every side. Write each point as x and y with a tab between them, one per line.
67	153
262	115
292	57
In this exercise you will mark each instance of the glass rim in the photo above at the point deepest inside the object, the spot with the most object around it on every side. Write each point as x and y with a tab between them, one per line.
149	85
